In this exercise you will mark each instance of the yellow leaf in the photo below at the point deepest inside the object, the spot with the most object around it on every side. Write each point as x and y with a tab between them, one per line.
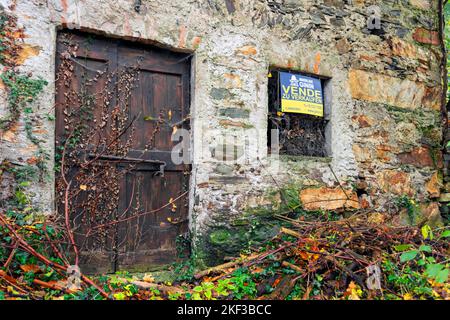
269	75
407	296
148	278
170	114
353	292
174	206
83	187
354	296
11	290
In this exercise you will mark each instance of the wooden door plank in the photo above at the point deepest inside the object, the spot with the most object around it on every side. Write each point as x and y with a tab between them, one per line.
79	107
150	241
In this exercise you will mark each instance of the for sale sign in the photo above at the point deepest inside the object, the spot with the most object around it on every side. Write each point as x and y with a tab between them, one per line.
301	94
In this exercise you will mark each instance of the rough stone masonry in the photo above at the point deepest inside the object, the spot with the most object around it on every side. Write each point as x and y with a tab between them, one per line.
385	92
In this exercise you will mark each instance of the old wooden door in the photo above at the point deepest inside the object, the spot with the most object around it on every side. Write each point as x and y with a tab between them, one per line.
123	102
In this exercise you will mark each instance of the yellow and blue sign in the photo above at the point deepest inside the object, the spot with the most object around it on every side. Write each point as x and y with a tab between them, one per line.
301	94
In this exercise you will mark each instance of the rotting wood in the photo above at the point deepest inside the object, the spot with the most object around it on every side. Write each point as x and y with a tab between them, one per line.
283	289
290	232
163	288
223	267
292	266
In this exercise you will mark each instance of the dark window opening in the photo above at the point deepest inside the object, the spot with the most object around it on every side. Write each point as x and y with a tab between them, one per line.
298	134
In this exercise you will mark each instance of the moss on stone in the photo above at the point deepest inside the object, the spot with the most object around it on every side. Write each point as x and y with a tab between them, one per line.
227	237
219	237
252	228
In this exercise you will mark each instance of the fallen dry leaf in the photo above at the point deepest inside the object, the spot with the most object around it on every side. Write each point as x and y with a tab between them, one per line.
30	268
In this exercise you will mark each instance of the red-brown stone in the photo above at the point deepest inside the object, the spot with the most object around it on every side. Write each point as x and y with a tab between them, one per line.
426	36
419	157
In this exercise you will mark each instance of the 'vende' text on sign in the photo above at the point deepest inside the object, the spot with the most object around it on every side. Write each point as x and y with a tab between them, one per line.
301	94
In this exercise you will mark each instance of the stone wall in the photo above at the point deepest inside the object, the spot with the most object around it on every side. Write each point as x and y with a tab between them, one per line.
385	126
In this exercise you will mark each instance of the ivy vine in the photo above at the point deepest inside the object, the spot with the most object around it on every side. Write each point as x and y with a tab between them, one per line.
21	89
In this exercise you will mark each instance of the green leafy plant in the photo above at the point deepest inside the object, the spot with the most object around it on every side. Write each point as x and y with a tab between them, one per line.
422	256
412	208
404	280
22	90
445	234
210	291
129	290
184	270
175	295
224	286
244	284
203	291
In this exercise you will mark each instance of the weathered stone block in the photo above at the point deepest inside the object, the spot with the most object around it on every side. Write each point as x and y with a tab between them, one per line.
328	199
224	169
363	121
421	4
238	124
404	49
234	113
220	93
379	88
426	36
432	98
248	50
431	215
434	185
396	182
343	46
232	80
384	152
362	154
419	157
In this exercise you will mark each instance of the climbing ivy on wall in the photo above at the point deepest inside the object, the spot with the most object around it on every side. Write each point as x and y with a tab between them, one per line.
21	89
